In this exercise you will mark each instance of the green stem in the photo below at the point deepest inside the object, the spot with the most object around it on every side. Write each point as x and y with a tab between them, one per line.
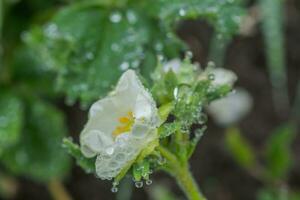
182	174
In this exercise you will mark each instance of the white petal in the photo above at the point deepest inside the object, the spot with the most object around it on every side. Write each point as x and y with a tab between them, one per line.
135	96
223	76
109	166
140	130
143	107
231	108
94	142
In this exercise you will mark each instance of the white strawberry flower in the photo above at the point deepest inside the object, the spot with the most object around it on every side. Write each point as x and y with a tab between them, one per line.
120	126
232	108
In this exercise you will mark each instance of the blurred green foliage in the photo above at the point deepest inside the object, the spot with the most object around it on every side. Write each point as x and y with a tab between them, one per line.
88	54
278	151
31	128
272	12
11	120
274	170
239	148
38	153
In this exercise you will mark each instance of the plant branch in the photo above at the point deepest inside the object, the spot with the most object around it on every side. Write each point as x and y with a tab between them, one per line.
182	174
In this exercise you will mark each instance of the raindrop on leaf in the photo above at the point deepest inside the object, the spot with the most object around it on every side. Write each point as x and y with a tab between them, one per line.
115	17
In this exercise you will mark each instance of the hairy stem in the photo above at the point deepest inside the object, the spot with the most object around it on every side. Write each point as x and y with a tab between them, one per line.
182	174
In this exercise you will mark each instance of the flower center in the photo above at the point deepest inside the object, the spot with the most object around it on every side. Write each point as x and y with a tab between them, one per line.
126	123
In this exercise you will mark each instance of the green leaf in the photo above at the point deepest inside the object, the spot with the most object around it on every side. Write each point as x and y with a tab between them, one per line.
240	148
278	151
88	164
225	16
39	154
165	110
11	119
194	141
168	128
30	74
164	85
272	13
90	53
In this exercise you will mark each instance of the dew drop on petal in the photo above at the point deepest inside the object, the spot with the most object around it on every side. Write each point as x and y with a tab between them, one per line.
110	150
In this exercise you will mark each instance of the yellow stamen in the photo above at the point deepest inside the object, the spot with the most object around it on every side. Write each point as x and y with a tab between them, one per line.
126	124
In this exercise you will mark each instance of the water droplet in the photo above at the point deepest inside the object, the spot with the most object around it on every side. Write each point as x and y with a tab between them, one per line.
211	64
115	183
135	64
114	189
70	100
124	66
115	17
89	56
211	77
161	161
131	17
115	47
24	35
175	93
219	36
189	55
160	58
110	150
148	182
182	12
202	119
51	30
158	46
139	184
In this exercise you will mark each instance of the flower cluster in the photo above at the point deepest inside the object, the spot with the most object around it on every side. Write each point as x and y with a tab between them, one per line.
131	129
